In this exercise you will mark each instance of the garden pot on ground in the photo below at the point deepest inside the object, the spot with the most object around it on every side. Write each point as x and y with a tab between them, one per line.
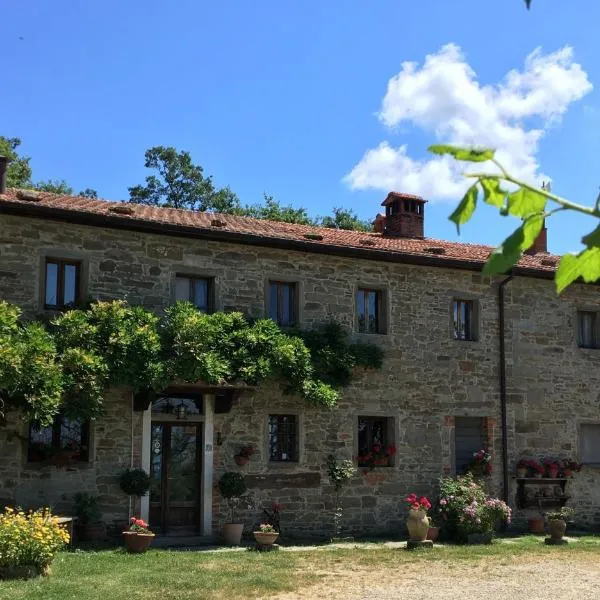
433	533
137	543
232	533
557	528
418	525
265	539
90	532
241	460
536	525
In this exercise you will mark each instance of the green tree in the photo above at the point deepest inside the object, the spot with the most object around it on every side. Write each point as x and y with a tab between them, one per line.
345	219
54	186
532	206
18	173
272	210
179	183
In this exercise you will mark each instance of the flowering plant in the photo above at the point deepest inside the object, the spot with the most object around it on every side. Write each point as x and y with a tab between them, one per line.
246	452
563	514
272	516
378	453
138	526
415	503
570	466
481	463
30	538
535	466
267	528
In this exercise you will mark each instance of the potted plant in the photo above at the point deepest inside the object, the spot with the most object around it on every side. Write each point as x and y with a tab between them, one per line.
266	535
135	482
377	456
232	487
552	467
536	525
89	527
537	468
417	521
523	468
138	537
243	456
569	467
557	523
434	530
481	463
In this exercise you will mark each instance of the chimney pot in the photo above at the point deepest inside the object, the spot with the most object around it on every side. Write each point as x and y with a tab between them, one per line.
3	167
404	215
541	242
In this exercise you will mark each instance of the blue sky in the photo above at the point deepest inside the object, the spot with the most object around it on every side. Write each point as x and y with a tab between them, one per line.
288	97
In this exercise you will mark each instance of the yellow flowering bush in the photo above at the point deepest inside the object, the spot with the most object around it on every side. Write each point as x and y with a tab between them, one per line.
31	538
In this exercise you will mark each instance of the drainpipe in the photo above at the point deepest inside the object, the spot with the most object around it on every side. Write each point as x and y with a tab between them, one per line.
503	417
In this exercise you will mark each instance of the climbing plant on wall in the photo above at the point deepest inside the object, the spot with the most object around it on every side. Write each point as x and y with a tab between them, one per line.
68	364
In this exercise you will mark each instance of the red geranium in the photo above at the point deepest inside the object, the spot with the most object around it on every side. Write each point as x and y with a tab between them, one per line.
415	503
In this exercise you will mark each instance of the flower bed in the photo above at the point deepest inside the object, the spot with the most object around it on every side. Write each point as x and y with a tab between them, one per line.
28	542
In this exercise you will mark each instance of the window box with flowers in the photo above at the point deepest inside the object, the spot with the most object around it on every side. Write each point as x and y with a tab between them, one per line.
377	456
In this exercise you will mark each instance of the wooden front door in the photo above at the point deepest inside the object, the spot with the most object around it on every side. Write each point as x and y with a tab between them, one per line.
175	468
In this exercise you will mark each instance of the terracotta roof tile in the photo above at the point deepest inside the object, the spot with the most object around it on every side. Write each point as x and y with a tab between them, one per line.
440	250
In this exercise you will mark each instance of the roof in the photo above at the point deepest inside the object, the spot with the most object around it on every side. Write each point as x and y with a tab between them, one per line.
393	196
246	230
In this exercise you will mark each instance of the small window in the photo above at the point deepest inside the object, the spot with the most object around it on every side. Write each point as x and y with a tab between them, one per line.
62	283
197	290
283	438
375	441
469	437
589	444
369	310
588	329
283	303
463	320
65	441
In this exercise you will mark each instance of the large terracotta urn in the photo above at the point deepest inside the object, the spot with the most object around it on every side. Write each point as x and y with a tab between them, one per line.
557	528
418	525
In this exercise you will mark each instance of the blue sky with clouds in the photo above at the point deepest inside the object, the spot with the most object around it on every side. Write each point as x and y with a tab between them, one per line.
321	104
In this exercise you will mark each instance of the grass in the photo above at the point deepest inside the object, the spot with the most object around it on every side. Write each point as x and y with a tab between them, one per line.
168	575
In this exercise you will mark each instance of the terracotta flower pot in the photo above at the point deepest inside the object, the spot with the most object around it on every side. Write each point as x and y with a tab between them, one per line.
557	528
137	543
536	525
522	472
264	538
552	472
418	525
241	460
433	533
232	533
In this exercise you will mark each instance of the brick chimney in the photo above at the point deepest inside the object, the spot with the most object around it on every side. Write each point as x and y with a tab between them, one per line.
404	215
541	242
3	166
379	223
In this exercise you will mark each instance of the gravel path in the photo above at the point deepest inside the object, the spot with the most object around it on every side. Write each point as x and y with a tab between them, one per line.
564	578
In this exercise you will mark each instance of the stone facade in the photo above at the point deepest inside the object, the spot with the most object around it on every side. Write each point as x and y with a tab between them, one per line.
428	379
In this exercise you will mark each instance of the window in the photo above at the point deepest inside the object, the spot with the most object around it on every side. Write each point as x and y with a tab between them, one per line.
375	441
65	440
282	303
588	329
463	320
197	290
369	310
62	283
589	444
469	437
283	438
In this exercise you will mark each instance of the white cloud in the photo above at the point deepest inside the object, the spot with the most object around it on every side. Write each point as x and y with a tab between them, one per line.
444	99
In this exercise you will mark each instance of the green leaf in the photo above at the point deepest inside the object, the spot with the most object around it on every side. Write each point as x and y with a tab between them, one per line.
464	211
506	255
592	239
492	192
468	154
526	202
586	265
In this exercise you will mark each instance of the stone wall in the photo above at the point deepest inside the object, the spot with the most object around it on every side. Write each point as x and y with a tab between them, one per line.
427	380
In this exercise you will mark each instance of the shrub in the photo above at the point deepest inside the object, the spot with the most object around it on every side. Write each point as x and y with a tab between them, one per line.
135	482
232	486
87	509
30	538
465	508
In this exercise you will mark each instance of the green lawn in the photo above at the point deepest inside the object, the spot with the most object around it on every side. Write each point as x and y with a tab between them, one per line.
164	575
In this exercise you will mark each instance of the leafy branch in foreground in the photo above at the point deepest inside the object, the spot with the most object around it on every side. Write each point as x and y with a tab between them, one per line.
531	205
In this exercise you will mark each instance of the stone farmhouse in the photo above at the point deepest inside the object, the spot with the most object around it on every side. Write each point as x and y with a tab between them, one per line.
471	362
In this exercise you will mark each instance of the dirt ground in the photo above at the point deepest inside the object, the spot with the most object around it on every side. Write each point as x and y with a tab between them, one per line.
535	578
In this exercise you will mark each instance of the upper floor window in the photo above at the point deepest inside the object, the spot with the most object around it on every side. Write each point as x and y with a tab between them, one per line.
64	441
197	290
588	329
62	283
369	305
463	320
283	303
283	438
